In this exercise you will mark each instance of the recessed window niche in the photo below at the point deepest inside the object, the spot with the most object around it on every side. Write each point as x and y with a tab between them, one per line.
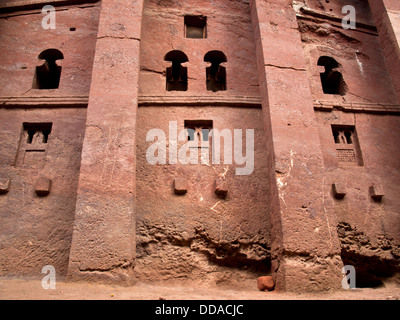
47	76
347	146
176	74
195	27
215	73
198	133
33	144
332	79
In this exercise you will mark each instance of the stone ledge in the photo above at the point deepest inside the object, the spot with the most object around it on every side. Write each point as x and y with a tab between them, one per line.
44	102
357	107
236	101
304	12
14	5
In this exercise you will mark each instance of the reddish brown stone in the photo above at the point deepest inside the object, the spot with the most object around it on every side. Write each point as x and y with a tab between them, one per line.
180	185
265	283
221	188
4	185
376	192
42	186
339	190
323	102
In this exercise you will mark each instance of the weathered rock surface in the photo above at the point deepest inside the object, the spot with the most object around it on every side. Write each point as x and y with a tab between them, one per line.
77	190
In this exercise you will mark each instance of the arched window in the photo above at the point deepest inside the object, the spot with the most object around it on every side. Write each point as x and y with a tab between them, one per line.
47	76
176	74
332	79
216	74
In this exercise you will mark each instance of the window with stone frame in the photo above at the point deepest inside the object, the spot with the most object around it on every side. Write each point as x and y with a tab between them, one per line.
199	134
34	144
347	146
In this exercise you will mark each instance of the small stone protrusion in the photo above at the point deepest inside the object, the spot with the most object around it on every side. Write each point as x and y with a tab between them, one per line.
339	190
43	186
265	283
376	192
221	188
4	185
180	186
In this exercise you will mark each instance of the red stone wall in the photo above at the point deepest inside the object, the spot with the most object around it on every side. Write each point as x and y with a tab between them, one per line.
22	39
103	242
228	30
36	230
376	222
36	225
358	53
184	237
386	17
367	226
198	234
85	199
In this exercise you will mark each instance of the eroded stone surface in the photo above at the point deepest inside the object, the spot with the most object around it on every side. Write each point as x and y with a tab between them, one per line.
323	103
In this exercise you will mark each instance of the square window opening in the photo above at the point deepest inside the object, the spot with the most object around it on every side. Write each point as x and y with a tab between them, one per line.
195	27
200	129
37	133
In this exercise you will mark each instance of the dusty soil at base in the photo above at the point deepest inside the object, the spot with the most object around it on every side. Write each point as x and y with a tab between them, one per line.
22	289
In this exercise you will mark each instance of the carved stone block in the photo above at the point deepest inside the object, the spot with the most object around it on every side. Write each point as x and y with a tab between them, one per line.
180	186
4	185
42	186
221	188
376	192
339	190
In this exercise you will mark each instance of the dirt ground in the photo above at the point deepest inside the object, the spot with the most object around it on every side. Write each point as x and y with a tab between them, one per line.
23	289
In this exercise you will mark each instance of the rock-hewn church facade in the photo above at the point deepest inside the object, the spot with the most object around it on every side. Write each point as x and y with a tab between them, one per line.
301	179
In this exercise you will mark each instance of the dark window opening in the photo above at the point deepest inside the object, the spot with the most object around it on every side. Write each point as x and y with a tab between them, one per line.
31	133
198	134
216	73
37	133
332	79
33	144
347	146
343	135
199	130
47	76
348	134
176	74
46	133
196	27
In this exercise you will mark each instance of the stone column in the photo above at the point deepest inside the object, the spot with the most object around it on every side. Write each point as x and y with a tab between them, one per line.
305	246
103	243
387	19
